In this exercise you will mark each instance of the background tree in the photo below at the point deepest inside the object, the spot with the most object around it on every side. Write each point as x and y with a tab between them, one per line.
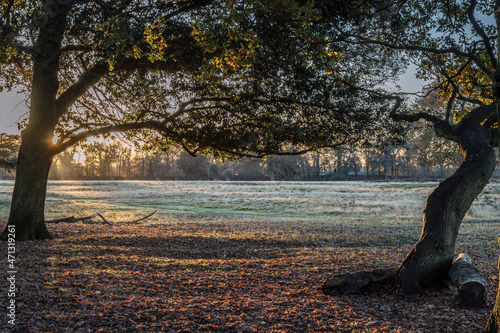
250	169
193	167
227	174
65	167
213	171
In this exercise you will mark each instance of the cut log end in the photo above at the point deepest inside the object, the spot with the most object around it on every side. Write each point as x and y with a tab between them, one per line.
472	294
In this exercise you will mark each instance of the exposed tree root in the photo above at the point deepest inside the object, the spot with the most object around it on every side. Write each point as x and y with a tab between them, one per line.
88	219
359	282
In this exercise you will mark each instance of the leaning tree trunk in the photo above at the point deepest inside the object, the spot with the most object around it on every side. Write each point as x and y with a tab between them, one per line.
427	265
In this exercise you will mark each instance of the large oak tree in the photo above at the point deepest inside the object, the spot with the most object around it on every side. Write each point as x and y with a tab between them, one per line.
236	78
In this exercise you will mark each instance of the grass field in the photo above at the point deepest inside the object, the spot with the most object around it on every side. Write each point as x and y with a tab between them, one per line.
236	257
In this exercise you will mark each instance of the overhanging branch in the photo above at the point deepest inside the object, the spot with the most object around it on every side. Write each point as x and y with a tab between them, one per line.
120	128
94	74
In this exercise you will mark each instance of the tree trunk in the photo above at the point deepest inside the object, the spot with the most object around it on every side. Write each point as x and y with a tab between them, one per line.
28	200
493	325
427	265
37	150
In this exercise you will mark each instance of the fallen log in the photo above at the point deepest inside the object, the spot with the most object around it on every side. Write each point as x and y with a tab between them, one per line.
359	282
73	219
471	286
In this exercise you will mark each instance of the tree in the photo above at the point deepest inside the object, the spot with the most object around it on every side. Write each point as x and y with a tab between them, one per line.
227	174
457	53
213	171
193	167
249	169
99	158
231	77
9	148
435	155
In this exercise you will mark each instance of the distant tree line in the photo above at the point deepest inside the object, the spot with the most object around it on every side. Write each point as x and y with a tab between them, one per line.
425	156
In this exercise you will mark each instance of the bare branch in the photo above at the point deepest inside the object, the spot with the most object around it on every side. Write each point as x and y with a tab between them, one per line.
481	32
152	125
73	219
450	50
94	74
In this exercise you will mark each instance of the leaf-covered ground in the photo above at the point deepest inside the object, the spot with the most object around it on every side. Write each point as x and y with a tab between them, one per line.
201	272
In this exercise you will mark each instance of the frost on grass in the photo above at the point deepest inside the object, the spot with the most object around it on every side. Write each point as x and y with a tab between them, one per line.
195	269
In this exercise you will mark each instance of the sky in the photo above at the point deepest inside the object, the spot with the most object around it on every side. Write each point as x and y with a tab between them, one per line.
12	108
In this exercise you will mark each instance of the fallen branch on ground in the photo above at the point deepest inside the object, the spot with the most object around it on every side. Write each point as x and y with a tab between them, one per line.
88	219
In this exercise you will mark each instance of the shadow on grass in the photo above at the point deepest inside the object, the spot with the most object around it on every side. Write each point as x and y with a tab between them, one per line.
200	247
196	247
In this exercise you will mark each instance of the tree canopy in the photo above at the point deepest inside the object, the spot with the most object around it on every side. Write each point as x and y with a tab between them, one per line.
453	45
228	76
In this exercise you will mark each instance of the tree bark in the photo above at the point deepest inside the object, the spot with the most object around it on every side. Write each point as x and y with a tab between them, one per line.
428	263
35	157
28	199
37	149
493	324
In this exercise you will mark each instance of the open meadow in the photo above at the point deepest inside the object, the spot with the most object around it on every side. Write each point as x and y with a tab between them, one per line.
236	257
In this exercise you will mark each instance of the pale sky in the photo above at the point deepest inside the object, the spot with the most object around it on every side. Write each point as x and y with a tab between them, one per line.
12	108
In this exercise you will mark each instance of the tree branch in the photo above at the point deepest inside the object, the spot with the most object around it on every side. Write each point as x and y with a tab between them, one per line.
182	110
151	125
70	48
94	74
73	219
481	33
450	50
478	115
84	83
7	13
